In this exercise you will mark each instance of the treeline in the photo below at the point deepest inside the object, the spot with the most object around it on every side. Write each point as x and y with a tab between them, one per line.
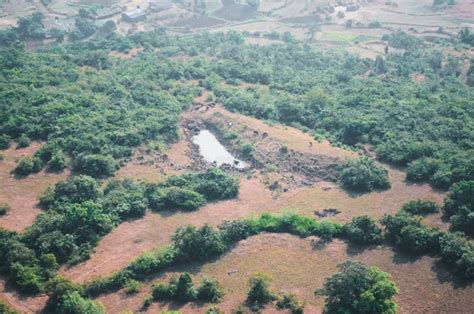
77	214
403	230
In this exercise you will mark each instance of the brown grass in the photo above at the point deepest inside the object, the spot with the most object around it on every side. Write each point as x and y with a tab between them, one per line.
131	239
300	266
19	302
22	193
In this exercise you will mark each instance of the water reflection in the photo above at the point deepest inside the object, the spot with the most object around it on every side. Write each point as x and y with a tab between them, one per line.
214	152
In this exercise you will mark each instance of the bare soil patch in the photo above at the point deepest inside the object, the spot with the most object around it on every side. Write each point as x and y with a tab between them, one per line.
22	193
19	302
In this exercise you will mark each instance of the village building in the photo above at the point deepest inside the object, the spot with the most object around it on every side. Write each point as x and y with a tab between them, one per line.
160	5
106	12
134	16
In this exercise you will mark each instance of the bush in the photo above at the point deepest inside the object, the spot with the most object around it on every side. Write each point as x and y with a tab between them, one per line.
420	207
125	199
459	206
5	309
289	301
422	169
161	292
395	223
23	141
179	289
213	183
4	208
28	165
362	230
294	224
132	286
363	175
359	289
75	189
184	199
58	161
95	165
259	293
209	291
184	290
458	252
4	141
418	239
192	244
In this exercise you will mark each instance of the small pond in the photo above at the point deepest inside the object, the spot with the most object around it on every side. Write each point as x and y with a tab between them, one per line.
214	152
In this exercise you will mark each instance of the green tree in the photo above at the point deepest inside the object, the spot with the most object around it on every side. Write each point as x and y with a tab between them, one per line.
362	230
358	288
259	293
459	206
209	290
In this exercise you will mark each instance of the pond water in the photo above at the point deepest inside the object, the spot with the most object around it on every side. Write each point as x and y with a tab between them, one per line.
214	152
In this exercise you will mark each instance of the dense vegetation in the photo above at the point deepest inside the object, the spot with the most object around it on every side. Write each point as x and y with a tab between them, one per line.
76	214
348	100
359	289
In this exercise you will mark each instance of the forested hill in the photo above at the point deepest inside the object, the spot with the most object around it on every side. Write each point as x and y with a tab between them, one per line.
413	107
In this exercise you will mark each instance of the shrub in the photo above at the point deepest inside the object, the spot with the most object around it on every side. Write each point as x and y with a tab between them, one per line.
213	310
457	251
363	175
422	169
362	230
259	293
459	206
289	301
95	165
192	244
185	291
234	231
4	208
418	239
23	141
5	309
28	165
75	189
247	149
58	161
213	183
179	289
359	289
132	286
420	207
4	141
125	199
179	198
395	223
209	290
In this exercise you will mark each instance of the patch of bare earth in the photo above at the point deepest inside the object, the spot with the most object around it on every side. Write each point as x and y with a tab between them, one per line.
301	266
22	193
19	302
153	165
